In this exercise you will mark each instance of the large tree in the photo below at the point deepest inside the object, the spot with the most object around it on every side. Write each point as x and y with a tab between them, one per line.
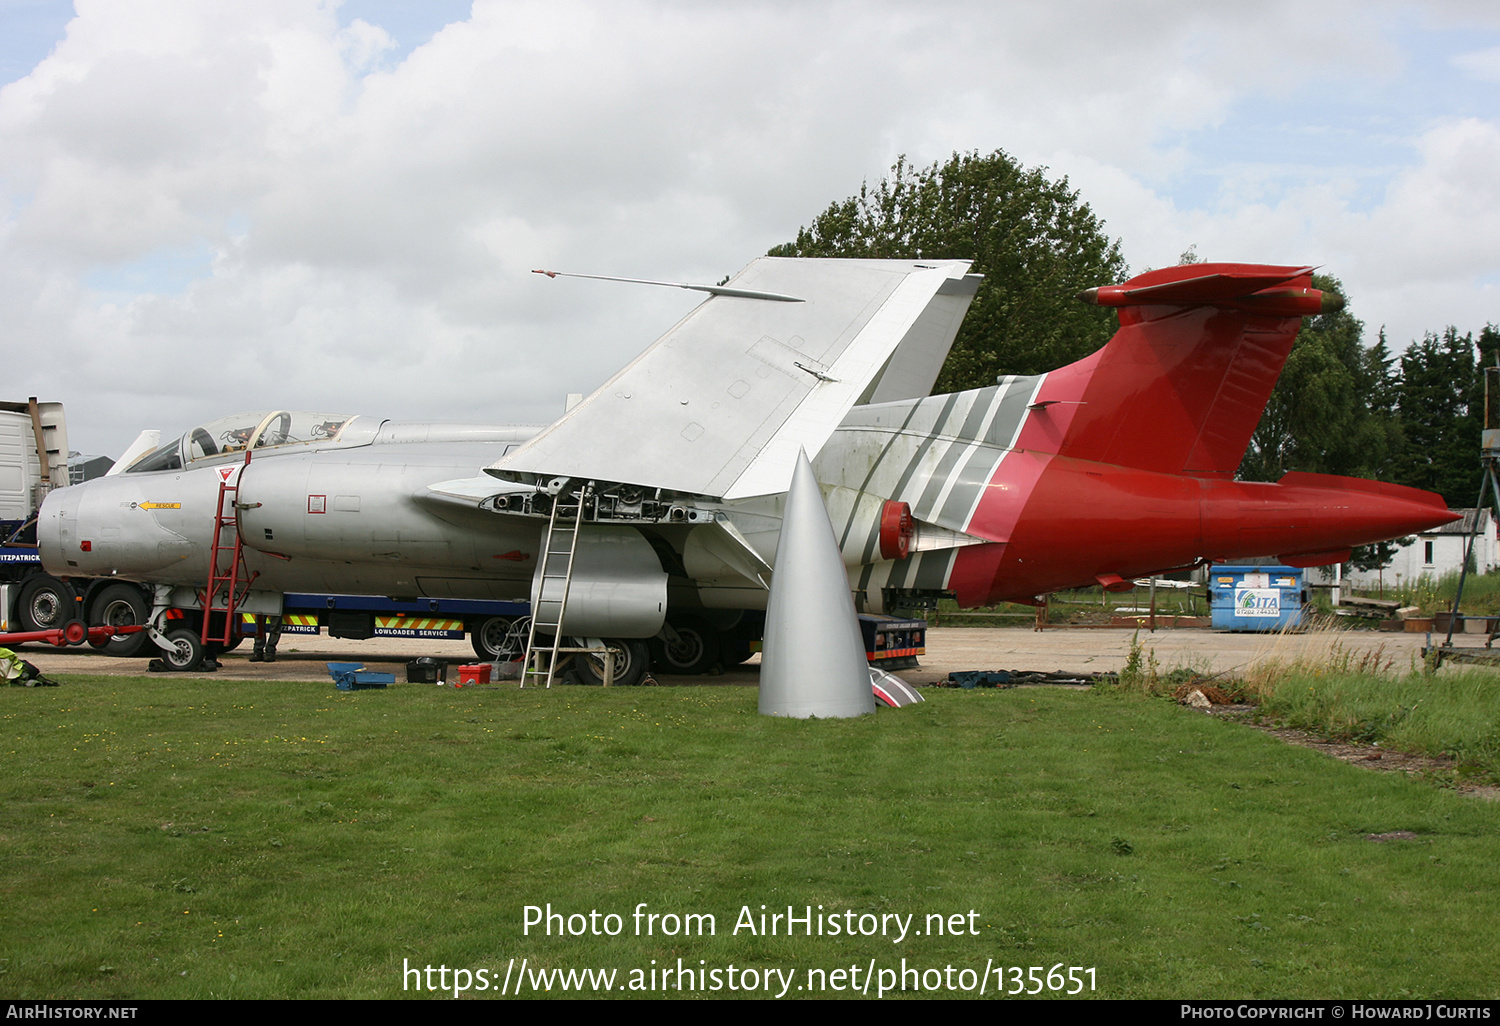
1034	240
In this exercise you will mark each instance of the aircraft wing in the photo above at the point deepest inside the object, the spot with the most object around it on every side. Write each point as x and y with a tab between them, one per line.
720	404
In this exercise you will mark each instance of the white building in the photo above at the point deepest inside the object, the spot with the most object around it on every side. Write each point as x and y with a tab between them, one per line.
1435	553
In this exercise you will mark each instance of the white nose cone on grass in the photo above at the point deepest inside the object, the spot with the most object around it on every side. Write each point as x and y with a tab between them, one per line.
813	662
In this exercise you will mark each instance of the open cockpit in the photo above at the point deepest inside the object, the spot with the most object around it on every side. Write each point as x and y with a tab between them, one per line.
232	436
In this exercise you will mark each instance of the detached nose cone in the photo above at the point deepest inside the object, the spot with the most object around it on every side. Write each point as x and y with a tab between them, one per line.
814	660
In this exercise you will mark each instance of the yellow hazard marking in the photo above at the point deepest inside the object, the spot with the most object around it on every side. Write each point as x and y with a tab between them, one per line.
418	624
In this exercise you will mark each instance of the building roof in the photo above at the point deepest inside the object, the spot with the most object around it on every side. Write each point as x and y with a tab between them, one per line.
1465	526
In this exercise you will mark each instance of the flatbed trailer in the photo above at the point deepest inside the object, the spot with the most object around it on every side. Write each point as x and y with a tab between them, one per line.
487	623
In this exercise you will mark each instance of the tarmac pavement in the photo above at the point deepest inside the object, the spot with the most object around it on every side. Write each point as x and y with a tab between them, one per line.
1092	650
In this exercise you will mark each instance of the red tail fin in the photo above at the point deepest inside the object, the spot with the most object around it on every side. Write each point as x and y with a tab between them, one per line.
1183	383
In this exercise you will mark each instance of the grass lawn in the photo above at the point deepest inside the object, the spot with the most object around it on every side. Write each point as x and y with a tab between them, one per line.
173	838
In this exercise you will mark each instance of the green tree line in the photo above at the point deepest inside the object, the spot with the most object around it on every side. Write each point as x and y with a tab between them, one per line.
1340	406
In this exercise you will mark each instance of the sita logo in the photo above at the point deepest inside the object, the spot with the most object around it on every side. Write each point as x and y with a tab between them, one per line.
1256	602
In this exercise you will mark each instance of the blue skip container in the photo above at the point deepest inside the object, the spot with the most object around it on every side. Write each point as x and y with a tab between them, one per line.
1256	598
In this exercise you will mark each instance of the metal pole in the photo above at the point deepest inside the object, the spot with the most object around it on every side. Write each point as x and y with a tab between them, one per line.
1463	572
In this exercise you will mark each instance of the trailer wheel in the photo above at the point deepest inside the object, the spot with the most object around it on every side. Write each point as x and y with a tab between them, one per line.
493	639
46	604
695	650
632	659
184	649
121	605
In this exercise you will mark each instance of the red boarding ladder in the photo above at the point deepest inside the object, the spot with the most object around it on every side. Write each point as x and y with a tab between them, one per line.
226	584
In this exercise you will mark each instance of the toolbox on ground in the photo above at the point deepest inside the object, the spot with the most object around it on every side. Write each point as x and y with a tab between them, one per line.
427	670
354	677
476	673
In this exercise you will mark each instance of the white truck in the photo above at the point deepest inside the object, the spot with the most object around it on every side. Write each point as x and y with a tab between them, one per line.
33	461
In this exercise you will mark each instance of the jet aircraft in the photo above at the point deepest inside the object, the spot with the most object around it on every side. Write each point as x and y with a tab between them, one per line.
1119	465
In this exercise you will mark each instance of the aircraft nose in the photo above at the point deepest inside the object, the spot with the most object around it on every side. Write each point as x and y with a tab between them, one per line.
128	527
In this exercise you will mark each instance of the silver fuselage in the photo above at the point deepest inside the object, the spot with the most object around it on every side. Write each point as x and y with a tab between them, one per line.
360	516
341	519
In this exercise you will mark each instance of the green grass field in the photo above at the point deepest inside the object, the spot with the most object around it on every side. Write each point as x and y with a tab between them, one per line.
174	838
1454	715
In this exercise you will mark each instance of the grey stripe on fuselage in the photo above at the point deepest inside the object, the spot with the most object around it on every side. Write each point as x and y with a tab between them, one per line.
948	405
951	446
932	573
945	405
874	535
924	571
981	407
1004	433
951	494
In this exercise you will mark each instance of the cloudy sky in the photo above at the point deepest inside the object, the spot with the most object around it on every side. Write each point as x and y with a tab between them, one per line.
218	206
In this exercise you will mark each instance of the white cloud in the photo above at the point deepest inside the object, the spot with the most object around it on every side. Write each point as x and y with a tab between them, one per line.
370	224
363	45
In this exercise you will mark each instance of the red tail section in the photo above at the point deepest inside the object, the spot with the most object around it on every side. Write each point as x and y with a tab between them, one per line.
1182	384
1123	464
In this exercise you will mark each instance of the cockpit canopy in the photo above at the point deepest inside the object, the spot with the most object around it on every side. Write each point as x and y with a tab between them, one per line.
233	435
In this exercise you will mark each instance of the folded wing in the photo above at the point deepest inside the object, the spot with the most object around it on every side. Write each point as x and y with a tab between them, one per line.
720	405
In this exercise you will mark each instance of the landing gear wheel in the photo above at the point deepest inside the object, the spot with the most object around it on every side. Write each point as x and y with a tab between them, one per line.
632	659
46	604
695	649
184	650
494	640
121	605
